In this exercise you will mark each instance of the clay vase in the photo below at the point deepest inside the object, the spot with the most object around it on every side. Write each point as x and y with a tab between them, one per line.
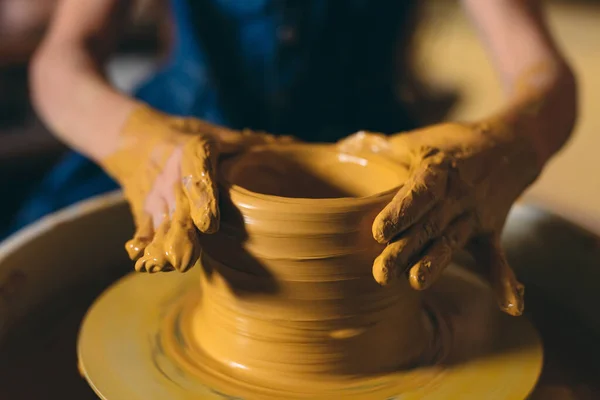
287	291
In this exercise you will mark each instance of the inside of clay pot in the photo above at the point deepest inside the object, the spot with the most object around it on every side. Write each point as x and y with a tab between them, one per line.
312	172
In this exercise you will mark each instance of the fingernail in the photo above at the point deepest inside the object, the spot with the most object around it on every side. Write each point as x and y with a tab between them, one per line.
381	231
140	265
155	268
206	220
418	278
381	272
182	264
516	305
134	249
514	309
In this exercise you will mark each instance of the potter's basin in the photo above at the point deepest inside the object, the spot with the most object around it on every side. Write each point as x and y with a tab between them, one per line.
47	282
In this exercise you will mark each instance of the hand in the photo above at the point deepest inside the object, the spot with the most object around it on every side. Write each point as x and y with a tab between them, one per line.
167	169
463	181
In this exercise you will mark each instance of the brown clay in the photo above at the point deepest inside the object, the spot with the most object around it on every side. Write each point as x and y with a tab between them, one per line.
287	292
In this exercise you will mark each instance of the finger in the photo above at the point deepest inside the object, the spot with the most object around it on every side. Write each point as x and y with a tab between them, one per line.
164	183
437	257
199	183
142	237
160	215
395	257
419	194
154	258
156	206
181	245
508	290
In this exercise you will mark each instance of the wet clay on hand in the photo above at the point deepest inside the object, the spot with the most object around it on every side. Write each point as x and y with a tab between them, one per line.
287	295
463	180
167	168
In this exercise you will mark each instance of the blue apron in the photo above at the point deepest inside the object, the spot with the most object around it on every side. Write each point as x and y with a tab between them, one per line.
317	69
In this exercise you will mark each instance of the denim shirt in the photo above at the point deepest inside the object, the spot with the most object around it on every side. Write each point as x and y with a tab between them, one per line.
317	69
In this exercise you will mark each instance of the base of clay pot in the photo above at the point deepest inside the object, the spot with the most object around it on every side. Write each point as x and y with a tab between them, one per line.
135	343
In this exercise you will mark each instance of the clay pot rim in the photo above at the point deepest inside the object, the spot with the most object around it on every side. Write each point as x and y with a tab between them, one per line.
345	202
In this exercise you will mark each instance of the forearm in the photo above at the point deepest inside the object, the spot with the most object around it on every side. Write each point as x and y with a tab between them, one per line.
68	86
73	98
540	86
543	109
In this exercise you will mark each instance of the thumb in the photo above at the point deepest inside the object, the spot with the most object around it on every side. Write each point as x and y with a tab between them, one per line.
198	171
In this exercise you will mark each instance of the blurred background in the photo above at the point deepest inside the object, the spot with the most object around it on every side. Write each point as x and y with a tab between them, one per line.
448	56
27	149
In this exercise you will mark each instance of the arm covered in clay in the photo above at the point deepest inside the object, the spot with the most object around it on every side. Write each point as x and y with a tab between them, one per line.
466	176
165	164
538	81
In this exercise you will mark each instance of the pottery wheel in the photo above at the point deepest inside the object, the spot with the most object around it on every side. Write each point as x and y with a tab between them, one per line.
133	345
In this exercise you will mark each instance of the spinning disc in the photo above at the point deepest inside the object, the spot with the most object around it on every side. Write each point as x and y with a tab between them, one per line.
134	344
